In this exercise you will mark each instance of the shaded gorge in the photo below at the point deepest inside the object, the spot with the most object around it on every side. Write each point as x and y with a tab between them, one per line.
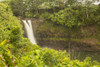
55	37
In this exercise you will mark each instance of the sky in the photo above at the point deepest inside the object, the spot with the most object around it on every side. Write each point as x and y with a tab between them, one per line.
96	3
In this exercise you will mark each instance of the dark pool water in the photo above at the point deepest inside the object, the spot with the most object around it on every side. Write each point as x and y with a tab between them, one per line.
82	55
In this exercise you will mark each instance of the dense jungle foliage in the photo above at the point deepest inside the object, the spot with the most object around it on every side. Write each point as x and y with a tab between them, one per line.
73	15
65	12
17	51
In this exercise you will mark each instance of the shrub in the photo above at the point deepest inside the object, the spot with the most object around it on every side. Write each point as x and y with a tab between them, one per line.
9	25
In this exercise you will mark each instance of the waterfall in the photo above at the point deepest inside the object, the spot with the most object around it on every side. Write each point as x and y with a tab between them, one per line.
29	30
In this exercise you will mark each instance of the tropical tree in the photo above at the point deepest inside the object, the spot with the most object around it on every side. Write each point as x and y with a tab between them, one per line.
8	22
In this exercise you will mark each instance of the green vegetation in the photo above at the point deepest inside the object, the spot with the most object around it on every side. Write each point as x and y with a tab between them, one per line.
69	13
40	58
73	15
8	23
16	50
11	29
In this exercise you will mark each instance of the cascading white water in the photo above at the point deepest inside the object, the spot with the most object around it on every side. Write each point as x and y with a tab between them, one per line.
29	30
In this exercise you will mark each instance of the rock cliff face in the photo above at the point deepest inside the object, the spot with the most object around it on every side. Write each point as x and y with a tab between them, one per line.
56	36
